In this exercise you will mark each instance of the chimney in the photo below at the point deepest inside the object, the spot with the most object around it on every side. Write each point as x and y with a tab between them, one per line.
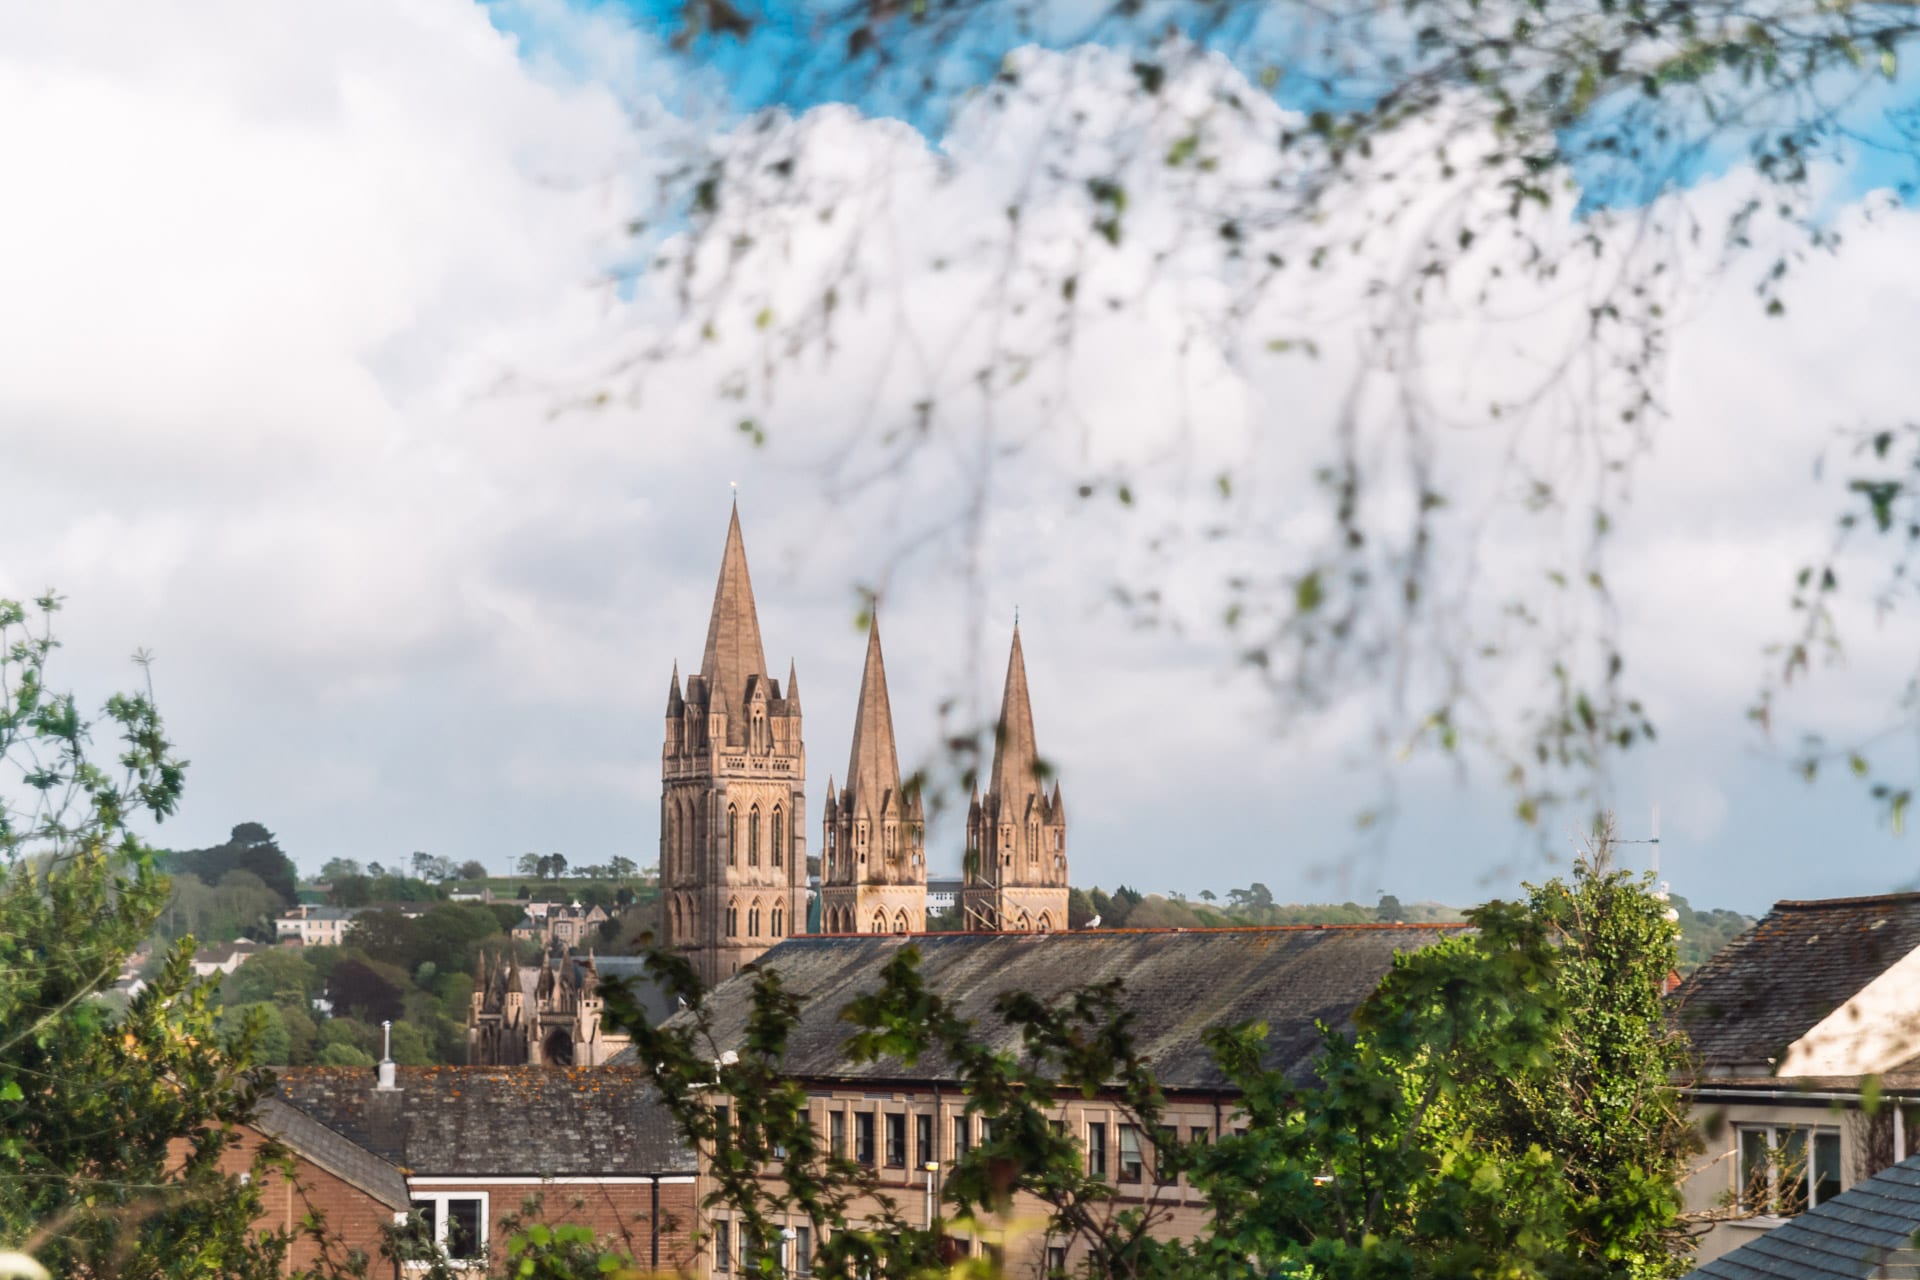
386	1058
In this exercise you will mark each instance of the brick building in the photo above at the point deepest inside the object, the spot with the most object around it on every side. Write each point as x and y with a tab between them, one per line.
467	1147
1175	983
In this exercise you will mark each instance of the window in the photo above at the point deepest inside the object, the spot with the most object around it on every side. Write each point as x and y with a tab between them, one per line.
1775	1177
733	836
1131	1165
1199	1135
837	1134
1166	1140
722	1127
900	921
779	921
802	1236
986	1130
457	1224
733	919
753	836
753	920
896	1140
722	1246
863	1137
779	835
923	1140
1056	1260
1097	1149
962	1135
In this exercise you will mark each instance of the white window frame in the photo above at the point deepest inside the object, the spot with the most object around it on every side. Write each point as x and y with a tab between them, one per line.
1775	1133
439	1200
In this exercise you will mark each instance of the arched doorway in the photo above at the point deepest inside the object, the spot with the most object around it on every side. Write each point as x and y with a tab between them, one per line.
557	1049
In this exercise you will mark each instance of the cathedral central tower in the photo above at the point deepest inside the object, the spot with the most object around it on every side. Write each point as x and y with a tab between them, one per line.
733	777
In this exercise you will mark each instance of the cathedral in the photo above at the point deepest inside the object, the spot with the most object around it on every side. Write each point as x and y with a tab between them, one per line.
733	774
546	1015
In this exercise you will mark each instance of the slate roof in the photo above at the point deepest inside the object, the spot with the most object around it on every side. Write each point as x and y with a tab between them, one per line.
333	1152
631	971
1176	982
504	1121
1864	1232
1774	983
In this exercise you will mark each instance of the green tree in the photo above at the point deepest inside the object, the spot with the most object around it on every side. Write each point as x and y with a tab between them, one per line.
263	1024
343	1055
337	868
281	975
111	1127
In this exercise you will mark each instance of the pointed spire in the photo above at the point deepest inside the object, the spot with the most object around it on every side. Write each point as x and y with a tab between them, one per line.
873	772
675	703
1015	756
793	689
733	652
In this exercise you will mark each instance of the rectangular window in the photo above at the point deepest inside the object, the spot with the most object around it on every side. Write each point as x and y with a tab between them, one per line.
1097	1149
1166	1139
837	1134
1131	1165
986	1130
456	1224
962	1135
1199	1135
1056	1260
723	1246
923	1140
1787	1169
896	1140
803	1251
863	1137
722	1127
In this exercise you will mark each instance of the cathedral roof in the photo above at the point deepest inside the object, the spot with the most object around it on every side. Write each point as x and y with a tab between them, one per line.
734	653
1176	984
1016	758
498	1121
873	769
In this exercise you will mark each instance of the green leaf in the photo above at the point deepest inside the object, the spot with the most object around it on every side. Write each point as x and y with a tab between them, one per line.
10	1092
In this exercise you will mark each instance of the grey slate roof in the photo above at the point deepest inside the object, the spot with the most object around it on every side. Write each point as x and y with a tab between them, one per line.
504	1121
306	1136
1176	982
631	971
1775	982
1863	1232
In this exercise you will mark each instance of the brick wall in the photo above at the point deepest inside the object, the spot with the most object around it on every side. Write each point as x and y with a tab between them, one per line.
352	1217
619	1212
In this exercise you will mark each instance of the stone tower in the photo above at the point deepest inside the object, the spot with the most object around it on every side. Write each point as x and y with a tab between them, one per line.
733	776
873	876
1016	862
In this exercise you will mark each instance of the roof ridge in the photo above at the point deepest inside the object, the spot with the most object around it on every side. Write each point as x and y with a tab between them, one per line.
1803	904
1109	933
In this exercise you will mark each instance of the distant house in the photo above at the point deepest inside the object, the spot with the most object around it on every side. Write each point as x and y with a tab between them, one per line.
560	924
223	958
466	1147
315	926
943	893
1795	1025
1865	1233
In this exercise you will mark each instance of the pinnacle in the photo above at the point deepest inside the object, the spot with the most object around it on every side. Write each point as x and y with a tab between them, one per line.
1015	755
733	652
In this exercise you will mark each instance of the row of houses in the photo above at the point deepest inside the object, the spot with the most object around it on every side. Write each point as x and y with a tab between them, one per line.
1800	1028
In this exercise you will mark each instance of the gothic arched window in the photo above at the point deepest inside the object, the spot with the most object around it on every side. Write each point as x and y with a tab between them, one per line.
733	919
753	836
733	835
779	921
753	919
779	835
1045	923
900	922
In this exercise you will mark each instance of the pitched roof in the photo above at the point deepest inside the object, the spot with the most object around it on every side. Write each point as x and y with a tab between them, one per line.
873	768
1774	983
502	1121
1863	1232
734	653
1015	754
1175	982
332	1151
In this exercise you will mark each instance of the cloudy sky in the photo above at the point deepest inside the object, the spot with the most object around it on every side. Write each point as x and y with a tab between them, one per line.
305	305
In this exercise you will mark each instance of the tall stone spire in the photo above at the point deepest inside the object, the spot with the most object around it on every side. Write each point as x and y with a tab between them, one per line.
876	879
734	653
1015	755
873	768
1016	861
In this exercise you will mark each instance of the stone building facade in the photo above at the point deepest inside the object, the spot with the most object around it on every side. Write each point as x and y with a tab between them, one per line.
546	1015
733	770
1016	859
873	871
